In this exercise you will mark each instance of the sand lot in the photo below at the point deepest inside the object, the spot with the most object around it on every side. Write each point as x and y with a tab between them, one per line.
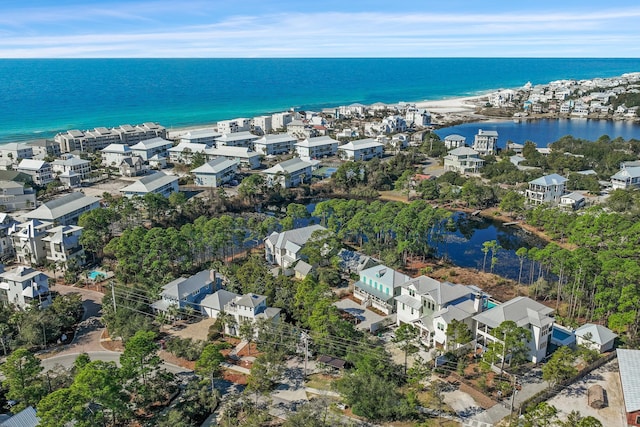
575	396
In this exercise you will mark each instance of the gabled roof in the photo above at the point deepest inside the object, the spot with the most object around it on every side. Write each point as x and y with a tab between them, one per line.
184	286
250	300
215	166
149	144
298	236
303	268
599	334
317	142
21	274
237	136
25	418
385	275
116	148
455	137
228	151
360	144
548	180
150	183
463	151
32	165
488	132
62	206
521	310
629	366
276	138
71	161
192	146
289	166
627	172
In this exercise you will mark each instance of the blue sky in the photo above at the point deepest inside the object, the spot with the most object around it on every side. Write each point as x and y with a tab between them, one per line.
328	28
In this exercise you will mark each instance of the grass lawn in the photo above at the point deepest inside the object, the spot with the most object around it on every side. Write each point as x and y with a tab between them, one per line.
320	381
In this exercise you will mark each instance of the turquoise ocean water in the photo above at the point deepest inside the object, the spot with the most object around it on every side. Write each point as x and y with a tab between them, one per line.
39	98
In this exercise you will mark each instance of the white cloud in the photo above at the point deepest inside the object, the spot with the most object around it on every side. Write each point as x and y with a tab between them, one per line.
606	33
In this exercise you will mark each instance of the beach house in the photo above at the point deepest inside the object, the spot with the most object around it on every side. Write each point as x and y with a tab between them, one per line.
68	163
485	142
158	183
317	148
113	154
23	286
276	144
289	173
27	241
454	141
526	313
186	292
463	160
546	189
415	116
15	152
151	147
237	139
595	337
15	196
284	249
64	210
432	306
249	308
215	173
7	224
627	177
206	136
184	152
39	170
62	245
362	149
378	286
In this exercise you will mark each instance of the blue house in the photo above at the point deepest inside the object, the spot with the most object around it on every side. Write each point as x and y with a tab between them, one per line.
188	291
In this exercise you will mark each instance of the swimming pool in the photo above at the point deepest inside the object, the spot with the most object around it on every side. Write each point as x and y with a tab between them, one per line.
97	275
560	336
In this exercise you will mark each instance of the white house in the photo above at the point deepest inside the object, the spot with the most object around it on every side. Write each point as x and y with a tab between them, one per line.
244	156
249	308
463	160
362	149
151	147
417	117
44	148
626	177
132	166
70	163
15	152
158	183
7	224
40	171
316	148
454	141
113	154
546	189
215	173
486	142
289	173
596	337
432	306
205	136
378	286
284	248
273	145
234	125
64	210
15	196
526	313
27	241
62	245
572	200
183	152
23	286
279	121
237	139
213	304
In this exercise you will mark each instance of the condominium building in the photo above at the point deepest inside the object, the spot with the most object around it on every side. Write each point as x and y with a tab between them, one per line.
315	148
23	286
273	145
39	170
101	137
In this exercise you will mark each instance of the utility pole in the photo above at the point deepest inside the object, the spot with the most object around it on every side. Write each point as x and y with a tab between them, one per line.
513	397
305	339
113	297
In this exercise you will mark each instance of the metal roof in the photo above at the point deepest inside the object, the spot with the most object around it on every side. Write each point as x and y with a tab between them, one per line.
629	367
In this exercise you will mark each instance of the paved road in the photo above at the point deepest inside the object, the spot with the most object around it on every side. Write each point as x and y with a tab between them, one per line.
66	360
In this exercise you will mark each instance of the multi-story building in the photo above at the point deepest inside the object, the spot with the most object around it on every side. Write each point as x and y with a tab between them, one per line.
24	286
261	125
362	149
215	173
7	224
279	121
151	147
249	308
245	157
316	148
454	141
463	160
237	139
43	148
64	210
186	292
486	142
39	170
627	177
27	241
284	248
378	286
15	152
289	173
15	196
62	245
546	189
113	154
417	117
184	152
70	163
158	183
101	137
234	125
276	144
526	313
205	136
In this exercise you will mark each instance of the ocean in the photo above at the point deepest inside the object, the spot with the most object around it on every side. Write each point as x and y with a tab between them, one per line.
39	98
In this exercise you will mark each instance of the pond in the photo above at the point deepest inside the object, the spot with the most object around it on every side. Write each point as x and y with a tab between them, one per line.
462	245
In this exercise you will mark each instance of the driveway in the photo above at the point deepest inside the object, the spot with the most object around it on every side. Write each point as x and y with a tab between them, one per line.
365	317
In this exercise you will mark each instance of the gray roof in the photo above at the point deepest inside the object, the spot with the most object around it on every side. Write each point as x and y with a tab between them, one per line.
288	166
548	180
184	286
303	268
298	236
237	136
250	300
408	300
463	151
62	206
599	334
149	183
488	132
317	142
627	172
215	166
361	144
276	138
521	310
148	144
21	274
455	137
441	292
25	418
387	276
227	151
629	366
116	148
218	300
373	291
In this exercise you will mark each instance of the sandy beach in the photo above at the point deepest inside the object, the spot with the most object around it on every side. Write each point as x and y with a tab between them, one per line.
466	104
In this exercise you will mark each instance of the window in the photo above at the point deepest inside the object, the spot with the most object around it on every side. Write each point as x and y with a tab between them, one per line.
637	419
441	326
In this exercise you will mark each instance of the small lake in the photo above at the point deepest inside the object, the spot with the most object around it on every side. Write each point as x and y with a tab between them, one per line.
462	246
545	131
